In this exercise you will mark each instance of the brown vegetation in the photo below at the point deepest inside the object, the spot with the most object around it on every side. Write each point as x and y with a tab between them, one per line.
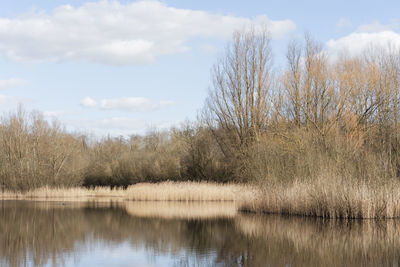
164	191
189	191
35	153
320	114
74	194
329	197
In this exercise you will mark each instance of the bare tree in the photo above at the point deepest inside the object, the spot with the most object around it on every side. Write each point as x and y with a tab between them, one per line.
36	153
238	106
292	82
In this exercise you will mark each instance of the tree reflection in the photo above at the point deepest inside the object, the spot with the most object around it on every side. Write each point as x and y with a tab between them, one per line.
34	233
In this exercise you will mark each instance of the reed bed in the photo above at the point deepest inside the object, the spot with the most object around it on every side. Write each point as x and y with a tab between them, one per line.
329	197
326	196
66	194
181	210
190	191
166	191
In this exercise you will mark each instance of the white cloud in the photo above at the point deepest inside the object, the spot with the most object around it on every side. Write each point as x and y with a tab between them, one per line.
11	83
109	32
88	102
344	23
133	104
357	42
376	26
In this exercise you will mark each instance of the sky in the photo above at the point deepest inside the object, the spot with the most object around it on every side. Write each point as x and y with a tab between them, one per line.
125	67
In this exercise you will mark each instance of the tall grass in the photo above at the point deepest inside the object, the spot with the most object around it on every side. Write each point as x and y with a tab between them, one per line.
166	191
189	191
326	196
329	197
66	194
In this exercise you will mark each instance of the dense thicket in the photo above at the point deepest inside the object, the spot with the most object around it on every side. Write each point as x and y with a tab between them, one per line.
189	153
321	114
35	153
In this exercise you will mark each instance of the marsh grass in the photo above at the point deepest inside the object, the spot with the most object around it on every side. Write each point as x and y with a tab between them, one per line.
326	197
166	191
329	197
66	194
189	191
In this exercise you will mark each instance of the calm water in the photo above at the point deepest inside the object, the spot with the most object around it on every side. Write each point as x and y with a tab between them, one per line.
180	234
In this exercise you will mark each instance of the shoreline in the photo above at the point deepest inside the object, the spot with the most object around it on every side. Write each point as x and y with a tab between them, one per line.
164	191
322	198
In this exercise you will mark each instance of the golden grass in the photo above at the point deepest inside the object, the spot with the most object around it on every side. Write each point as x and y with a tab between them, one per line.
329	197
66	194
189	191
166	191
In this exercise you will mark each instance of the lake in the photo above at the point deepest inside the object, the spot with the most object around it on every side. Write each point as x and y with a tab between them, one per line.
185	234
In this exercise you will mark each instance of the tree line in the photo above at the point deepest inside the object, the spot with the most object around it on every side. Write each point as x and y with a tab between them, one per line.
321	113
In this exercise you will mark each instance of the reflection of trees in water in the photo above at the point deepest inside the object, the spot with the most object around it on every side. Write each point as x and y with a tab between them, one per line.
317	242
48	232
41	234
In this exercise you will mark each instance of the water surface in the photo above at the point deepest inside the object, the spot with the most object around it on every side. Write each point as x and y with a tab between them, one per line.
184	234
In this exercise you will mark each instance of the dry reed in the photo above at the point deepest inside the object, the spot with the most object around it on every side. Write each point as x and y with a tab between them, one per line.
66	194
189	191
166	191
329	197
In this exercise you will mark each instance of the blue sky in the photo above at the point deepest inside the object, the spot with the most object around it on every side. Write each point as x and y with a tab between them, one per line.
121	67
